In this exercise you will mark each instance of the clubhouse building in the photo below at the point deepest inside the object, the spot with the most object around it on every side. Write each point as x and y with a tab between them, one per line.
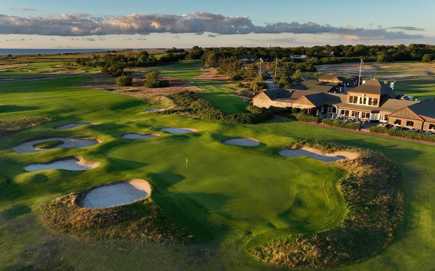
372	101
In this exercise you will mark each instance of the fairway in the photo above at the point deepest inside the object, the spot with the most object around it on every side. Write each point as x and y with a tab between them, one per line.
229	197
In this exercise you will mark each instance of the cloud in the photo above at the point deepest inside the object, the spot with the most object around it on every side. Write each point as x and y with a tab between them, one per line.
199	22
407	28
24	9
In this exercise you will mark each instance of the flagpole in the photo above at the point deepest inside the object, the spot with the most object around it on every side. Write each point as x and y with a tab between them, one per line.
360	72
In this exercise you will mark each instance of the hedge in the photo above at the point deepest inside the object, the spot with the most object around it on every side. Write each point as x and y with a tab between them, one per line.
403	133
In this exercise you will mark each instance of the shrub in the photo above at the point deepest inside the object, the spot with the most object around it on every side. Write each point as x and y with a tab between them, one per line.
344	124
403	133
301	116
124	80
427	58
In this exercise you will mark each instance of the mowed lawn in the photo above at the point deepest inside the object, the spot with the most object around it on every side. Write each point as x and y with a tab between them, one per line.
226	195
217	93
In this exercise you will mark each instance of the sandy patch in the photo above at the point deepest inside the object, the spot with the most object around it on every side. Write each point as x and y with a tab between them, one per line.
117	194
179	131
243	142
319	155
70	164
137	136
66	143
212	74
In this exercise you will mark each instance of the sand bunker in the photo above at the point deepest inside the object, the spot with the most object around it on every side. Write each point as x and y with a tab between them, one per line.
179	131
117	194
319	155
72	125
243	142
135	136
64	143
70	164
156	110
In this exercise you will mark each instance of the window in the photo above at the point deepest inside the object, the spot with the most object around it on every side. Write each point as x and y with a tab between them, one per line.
355	114
364	100
398	122
432	127
410	123
365	115
370	101
353	99
375	101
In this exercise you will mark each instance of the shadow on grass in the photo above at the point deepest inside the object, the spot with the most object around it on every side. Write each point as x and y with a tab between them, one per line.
16	108
15	211
186	209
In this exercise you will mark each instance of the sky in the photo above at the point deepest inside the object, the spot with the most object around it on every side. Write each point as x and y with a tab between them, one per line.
184	23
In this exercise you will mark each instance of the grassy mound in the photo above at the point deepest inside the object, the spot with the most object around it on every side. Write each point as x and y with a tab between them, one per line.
133	222
48	144
376	208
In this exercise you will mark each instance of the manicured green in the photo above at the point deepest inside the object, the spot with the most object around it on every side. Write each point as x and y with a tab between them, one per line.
229	197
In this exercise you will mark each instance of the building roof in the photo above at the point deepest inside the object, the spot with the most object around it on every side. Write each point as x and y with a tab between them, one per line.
373	87
315	98
313	85
425	109
392	105
278	94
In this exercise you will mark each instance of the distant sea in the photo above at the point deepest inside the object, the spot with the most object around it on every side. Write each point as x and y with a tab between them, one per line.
16	52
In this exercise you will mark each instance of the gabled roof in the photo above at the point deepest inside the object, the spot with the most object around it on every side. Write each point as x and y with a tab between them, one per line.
278	94
406	113
313	85
392	105
425	109
315	98
373	87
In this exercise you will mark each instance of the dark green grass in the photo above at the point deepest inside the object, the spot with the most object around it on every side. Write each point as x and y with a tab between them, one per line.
227	196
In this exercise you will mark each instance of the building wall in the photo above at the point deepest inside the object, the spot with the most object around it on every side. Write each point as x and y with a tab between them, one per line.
417	124
364	97
428	125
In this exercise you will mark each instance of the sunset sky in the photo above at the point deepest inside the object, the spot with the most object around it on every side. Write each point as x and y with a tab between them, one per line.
171	23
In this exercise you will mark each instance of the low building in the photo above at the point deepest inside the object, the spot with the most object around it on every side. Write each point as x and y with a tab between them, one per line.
312	102
419	116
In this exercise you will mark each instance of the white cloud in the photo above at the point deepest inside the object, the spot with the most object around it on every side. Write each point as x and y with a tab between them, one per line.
200	22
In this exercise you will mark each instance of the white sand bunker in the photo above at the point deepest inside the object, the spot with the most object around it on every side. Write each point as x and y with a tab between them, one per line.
72	125
117	194
55	142
136	136
156	110
70	164
243	142
179	131
319	155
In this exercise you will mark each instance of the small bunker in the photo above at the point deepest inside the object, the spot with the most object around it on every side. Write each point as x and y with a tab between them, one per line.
70	164
55	142
137	136
319	155
243	142
116	194
179	131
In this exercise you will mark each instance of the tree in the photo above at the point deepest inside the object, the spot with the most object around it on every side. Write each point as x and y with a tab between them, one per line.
257	84
124	80
196	52
427	58
297	75
152	80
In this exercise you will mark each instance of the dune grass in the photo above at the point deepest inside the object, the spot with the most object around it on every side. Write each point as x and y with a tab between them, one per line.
229	197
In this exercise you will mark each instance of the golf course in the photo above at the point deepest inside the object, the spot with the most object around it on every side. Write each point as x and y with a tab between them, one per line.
224	184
